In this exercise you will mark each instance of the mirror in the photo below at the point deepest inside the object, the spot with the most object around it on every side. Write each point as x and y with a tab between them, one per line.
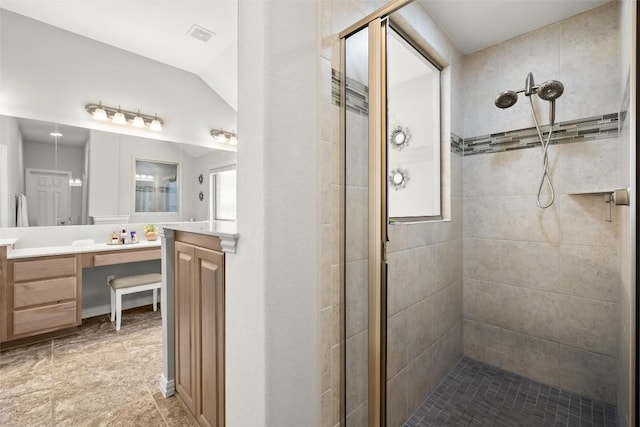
64	175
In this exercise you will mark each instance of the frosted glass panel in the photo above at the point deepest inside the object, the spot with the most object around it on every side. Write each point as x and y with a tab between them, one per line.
413	120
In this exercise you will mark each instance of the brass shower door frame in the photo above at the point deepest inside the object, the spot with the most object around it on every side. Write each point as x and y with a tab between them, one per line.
377	208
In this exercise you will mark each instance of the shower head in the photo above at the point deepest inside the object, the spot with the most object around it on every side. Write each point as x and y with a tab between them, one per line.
550	90
506	99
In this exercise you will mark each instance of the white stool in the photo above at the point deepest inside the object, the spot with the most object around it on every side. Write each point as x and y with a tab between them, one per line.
129	285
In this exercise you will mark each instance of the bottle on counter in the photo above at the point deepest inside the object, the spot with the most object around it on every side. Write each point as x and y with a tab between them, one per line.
134	238
114	238
123	236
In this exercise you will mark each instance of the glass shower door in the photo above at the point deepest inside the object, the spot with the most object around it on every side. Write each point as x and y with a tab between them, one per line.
356	298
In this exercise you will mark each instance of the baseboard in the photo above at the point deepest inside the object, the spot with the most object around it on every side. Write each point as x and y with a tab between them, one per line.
127	304
167	388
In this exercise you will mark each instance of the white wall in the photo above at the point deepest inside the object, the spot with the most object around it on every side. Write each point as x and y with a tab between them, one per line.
104	151
272	281
51	74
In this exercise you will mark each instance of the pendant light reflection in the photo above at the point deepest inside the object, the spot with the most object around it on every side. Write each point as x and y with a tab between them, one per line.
223	137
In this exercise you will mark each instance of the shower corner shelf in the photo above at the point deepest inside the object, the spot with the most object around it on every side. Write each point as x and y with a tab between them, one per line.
590	192
618	197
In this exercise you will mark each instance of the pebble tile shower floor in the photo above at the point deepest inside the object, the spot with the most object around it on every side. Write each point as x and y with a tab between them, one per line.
477	394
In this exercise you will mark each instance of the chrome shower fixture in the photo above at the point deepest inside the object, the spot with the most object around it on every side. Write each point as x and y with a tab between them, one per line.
548	91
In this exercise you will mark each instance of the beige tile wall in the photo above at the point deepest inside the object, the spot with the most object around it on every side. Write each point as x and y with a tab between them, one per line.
581	52
541	287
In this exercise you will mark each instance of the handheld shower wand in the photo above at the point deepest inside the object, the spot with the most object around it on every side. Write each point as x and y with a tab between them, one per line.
548	91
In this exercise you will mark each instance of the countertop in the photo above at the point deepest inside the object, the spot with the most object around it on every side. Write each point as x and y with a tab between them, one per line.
225	230
222	229
8	242
71	249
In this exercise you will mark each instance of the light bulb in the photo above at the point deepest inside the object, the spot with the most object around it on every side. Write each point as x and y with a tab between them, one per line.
155	124
119	118
138	121
100	114
221	138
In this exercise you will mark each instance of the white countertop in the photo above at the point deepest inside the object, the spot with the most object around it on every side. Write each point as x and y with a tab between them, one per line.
223	229
71	249
8	242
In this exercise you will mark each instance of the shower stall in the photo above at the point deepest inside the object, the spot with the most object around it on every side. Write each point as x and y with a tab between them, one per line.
464	303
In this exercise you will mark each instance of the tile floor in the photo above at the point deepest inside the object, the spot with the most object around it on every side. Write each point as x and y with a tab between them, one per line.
96	377
477	394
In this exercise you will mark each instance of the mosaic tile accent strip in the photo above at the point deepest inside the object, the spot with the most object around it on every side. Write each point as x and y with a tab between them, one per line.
456	143
476	394
357	94
589	128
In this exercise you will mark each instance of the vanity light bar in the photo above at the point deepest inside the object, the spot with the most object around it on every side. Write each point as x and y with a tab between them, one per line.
120	116
224	137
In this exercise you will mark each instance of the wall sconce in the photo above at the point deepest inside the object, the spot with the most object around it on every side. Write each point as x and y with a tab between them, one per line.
75	182
224	137
122	117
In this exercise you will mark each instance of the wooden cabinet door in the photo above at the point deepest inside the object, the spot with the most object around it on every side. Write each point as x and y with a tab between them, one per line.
210	283
185	324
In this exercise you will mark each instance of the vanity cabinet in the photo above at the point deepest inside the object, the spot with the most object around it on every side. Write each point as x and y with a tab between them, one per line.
42	295
199	327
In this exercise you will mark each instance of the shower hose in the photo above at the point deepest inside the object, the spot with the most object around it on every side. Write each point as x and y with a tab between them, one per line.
545	160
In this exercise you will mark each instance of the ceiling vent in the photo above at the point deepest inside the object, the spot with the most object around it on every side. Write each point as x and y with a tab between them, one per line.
200	33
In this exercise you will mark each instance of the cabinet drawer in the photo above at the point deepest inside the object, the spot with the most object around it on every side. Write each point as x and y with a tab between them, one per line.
46	318
44	291
124	257
43	269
